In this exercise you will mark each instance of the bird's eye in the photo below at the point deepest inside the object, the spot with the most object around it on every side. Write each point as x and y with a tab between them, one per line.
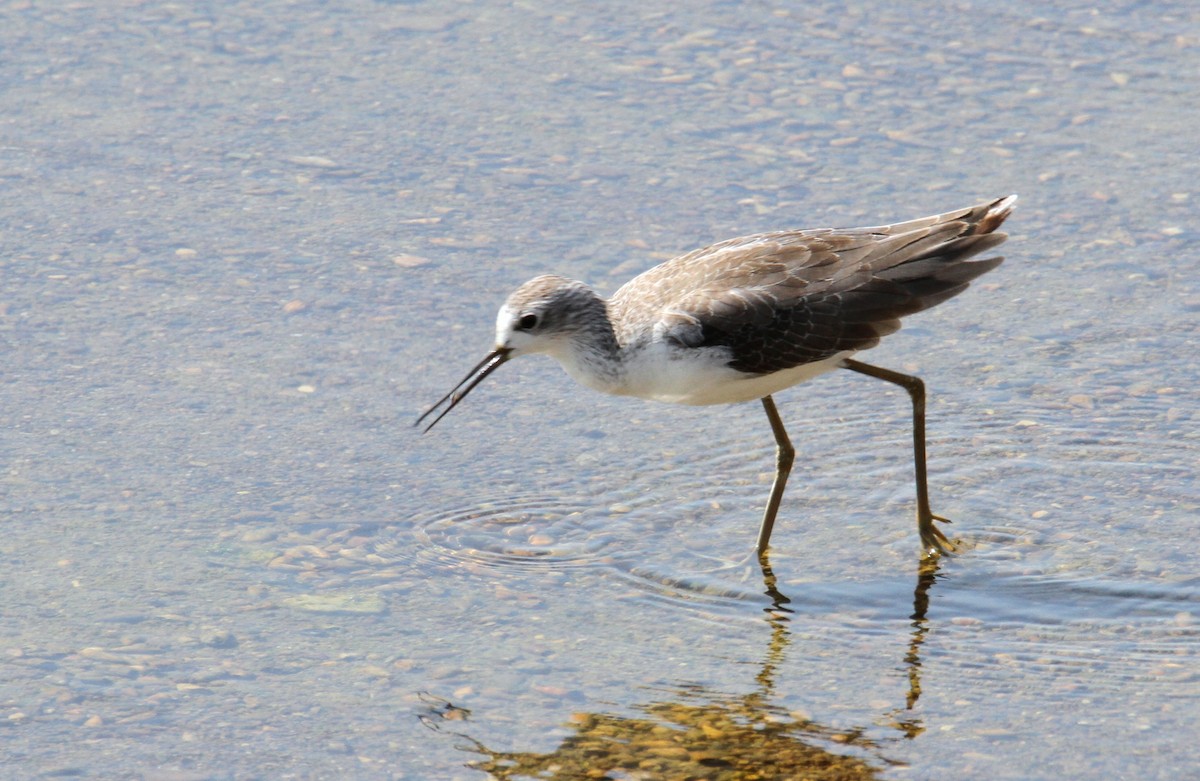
527	322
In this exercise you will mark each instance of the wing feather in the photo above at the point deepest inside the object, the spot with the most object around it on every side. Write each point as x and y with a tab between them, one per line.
778	300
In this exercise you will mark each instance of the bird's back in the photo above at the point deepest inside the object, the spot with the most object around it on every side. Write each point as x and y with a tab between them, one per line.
779	300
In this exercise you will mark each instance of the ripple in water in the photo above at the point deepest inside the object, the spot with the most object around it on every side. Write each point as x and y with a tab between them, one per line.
720	586
1071	633
527	534
522	532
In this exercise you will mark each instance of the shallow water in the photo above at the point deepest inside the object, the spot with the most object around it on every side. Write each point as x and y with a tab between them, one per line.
244	246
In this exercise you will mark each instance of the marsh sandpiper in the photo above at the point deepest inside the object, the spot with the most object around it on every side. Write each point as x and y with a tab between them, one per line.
745	318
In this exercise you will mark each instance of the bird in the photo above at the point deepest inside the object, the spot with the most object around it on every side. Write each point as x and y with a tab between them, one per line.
745	318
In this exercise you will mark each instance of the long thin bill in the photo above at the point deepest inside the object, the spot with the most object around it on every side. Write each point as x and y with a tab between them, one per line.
489	364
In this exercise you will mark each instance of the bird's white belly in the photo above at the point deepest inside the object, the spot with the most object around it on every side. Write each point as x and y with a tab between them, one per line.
700	377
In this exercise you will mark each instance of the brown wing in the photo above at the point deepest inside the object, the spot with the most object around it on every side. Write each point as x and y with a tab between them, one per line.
778	300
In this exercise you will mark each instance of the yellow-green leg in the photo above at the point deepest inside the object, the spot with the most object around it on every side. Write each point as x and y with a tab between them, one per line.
932	538
785	454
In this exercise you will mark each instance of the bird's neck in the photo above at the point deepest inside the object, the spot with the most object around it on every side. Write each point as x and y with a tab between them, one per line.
591	353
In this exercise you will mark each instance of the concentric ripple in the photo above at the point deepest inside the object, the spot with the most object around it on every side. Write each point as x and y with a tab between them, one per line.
612	537
719	586
522	532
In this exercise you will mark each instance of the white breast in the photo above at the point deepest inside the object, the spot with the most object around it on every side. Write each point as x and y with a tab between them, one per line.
663	372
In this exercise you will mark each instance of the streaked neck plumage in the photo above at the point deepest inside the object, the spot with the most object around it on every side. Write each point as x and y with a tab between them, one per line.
587	347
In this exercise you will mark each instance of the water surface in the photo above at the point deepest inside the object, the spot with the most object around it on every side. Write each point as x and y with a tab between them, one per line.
243	246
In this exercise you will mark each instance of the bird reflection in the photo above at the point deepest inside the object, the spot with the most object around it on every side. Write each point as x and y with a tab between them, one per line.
927	574
689	731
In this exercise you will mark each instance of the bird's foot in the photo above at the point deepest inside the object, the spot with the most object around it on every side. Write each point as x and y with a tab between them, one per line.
933	541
